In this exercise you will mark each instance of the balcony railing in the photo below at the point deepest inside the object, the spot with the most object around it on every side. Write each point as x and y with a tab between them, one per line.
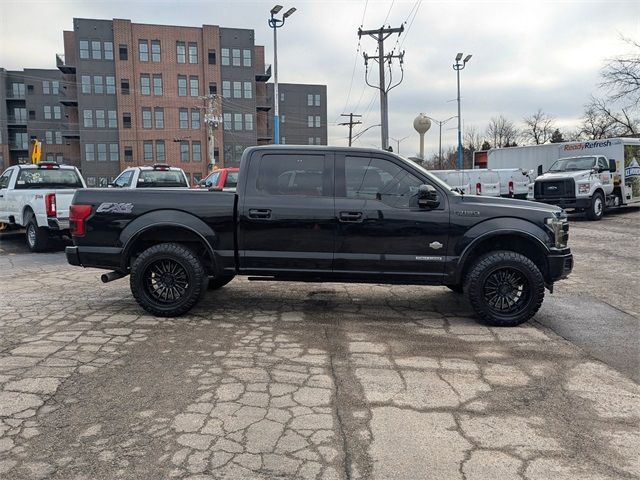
63	66
16	120
264	74
15	95
71	130
68	95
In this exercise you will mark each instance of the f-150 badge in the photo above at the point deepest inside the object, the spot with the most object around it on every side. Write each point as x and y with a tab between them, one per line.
108	207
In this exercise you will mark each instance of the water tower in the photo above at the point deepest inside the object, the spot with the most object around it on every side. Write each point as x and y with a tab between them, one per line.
422	124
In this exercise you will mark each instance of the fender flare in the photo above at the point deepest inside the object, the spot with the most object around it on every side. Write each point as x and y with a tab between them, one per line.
167	218
493	229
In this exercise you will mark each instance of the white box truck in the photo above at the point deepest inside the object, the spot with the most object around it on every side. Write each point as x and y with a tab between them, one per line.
582	176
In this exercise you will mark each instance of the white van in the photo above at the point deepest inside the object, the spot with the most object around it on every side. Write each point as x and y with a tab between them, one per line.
514	182
459	180
487	183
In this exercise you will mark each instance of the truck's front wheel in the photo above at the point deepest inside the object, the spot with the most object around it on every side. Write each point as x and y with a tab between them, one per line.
504	288
595	211
167	280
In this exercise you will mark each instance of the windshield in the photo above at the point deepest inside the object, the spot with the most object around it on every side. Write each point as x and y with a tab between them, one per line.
212	179
161	178
45	178
573	164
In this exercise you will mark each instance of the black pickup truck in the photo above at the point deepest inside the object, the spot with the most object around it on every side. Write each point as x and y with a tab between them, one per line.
324	214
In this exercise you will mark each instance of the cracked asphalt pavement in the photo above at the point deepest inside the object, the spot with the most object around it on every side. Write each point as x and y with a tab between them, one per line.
314	381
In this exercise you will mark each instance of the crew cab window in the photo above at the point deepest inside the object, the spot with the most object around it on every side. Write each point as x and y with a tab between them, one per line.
124	180
4	179
232	180
161	178
45	178
603	164
291	175
382	180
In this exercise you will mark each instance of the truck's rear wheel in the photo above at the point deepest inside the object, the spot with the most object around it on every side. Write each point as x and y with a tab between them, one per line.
504	288
167	280
37	237
595	211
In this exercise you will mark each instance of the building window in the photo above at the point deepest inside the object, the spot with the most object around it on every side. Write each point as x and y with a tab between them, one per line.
148	151
84	49
228	152
47	112
184	151
159	117
113	152
317	100
157	85
124	86
196	151
32	116
283	118
96	52
181	52
88	118
59	158
111	84
212	57
155	50
48	137
246	58
317	121
237	89
248	121
194	86
193	52
124	52
283	140
108	50
213	88
89	152
310	121
160	151
102	152
226	121
55	87
126	120
310	140
146	117
182	85
113	119
98	87
49	157
226	89
128	154
86	84
184	118
282	96
57	112
143	50
195	119
45	87
225	56
318	141
238	152
237	121
248	90
236	57
100	119
145	84
309	99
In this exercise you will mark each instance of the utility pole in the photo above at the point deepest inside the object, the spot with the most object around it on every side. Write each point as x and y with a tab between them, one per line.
380	36
351	123
211	119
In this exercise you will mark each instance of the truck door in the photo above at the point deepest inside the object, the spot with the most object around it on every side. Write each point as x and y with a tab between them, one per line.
605	175
286	215
381	229
4	195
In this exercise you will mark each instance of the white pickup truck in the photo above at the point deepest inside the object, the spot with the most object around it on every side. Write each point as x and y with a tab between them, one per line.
159	175
37	197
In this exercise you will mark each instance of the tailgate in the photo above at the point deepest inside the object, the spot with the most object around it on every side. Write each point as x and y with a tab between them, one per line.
63	201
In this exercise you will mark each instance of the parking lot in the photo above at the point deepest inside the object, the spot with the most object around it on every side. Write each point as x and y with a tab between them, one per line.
321	381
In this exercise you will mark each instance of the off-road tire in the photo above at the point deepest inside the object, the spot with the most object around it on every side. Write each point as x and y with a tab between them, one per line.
593	212
495	262
195	274
457	288
220	281
37	237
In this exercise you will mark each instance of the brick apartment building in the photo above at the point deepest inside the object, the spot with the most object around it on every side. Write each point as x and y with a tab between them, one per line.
132	94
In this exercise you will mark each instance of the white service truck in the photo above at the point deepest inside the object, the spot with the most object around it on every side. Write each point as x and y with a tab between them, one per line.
585	176
37	197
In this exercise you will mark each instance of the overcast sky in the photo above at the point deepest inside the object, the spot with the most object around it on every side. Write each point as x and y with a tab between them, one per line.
526	55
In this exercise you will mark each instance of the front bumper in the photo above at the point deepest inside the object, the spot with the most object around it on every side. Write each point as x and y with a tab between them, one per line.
108	258
560	265
570	202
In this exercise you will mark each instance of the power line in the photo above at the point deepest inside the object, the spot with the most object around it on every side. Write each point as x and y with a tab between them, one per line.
351	123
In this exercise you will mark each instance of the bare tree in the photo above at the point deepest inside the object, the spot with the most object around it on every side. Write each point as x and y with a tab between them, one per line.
473	138
502	131
621	76
595	126
622	122
538	128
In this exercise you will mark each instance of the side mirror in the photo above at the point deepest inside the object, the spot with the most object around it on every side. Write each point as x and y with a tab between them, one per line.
428	197
539	170
612	165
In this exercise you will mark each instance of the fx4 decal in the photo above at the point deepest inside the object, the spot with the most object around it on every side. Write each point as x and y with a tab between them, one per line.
115	208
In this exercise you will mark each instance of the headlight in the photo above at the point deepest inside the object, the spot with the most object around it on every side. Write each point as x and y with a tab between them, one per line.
584	188
558	225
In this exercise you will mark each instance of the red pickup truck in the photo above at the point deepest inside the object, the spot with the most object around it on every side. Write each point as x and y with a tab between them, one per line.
223	178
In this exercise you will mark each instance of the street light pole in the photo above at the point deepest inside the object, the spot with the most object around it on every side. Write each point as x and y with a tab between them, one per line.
440	123
276	23
457	67
398	142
